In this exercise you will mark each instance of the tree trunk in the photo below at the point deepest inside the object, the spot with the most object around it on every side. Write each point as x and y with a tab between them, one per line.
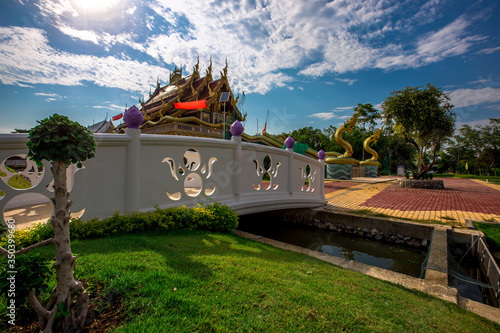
73	316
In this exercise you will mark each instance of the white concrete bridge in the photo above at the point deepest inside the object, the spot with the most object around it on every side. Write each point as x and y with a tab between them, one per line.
134	172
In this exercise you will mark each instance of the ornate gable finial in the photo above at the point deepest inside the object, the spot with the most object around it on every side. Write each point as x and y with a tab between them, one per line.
224	71
225	68
197	66
209	69
158	81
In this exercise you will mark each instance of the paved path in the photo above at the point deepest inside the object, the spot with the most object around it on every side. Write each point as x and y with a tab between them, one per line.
460	200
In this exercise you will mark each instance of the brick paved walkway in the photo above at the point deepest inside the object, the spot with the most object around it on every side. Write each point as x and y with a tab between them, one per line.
460	200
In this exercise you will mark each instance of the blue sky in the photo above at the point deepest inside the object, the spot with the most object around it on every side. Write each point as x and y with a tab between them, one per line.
308	62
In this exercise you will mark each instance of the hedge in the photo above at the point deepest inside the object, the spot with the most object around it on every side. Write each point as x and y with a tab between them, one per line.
213	217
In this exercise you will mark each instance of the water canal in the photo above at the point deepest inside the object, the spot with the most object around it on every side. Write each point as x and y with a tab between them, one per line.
390	256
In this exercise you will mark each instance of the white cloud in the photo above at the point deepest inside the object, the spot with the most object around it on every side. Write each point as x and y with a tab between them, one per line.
27	58
104	39
333	114
473	97
264	41
452	40
47	95
323	115
490	50
109	107
348	81
131	10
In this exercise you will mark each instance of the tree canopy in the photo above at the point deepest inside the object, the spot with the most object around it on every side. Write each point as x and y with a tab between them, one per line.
59	139
423	116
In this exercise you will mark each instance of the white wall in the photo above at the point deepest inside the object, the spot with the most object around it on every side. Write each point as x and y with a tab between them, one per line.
132	172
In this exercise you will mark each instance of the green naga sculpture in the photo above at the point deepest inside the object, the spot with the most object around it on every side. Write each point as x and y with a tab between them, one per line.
372	139
348	126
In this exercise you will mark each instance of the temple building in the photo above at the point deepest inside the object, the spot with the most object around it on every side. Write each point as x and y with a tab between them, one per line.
191	105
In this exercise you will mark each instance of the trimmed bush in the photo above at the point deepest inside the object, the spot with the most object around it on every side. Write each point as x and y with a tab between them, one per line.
32	272
215	217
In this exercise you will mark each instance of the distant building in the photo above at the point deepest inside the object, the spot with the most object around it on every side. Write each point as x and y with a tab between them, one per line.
105	126
161	116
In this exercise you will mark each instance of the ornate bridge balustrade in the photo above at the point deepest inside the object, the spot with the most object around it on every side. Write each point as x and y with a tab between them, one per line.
134	172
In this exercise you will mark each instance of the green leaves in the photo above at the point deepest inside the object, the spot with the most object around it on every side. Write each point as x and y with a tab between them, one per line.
423	116
59	139
62	311
33	272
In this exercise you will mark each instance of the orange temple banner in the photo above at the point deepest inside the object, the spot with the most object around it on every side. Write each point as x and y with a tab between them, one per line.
191	105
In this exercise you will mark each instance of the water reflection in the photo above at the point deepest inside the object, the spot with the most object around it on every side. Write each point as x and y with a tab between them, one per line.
376	253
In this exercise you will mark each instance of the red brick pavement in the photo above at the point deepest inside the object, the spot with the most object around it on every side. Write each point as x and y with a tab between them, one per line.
459	194
337	186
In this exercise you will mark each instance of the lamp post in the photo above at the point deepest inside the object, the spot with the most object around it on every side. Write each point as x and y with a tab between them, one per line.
224	97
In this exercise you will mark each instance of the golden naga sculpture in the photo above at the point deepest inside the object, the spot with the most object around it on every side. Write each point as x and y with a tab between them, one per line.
348	126
372	139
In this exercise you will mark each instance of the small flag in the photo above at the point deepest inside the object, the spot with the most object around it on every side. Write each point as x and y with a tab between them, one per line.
191	105
265	125
117	117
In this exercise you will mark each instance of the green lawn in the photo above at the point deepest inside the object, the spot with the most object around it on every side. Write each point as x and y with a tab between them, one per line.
492	233
492	179
196	281
17	181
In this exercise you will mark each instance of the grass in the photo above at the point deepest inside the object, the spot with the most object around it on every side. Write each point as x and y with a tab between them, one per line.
491	179
492	233
17	181
206	282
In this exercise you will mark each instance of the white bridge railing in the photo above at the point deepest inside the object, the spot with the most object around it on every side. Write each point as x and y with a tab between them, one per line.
134	172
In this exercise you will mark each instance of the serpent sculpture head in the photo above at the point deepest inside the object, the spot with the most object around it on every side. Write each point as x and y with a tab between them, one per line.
348	126
372	139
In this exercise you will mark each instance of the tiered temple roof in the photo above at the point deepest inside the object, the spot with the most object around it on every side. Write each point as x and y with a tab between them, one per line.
162	117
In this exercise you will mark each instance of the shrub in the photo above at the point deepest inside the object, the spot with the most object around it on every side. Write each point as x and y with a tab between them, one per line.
32	272
407	175
414	175
215	217
384	173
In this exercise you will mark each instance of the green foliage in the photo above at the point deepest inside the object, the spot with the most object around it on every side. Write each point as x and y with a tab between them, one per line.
203	282
424	117
479	146
492	233
368	115
19	182
214	217
33	272
59	139
313	137
414	175
61	311
407	175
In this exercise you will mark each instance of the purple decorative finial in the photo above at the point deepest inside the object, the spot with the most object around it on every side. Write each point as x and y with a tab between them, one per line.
236	128
289	142
321	154
133	117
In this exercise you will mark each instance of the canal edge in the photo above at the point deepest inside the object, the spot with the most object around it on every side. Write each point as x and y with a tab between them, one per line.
438	290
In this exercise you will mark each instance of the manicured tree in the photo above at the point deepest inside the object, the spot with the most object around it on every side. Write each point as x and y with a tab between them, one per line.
62	142
423	116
